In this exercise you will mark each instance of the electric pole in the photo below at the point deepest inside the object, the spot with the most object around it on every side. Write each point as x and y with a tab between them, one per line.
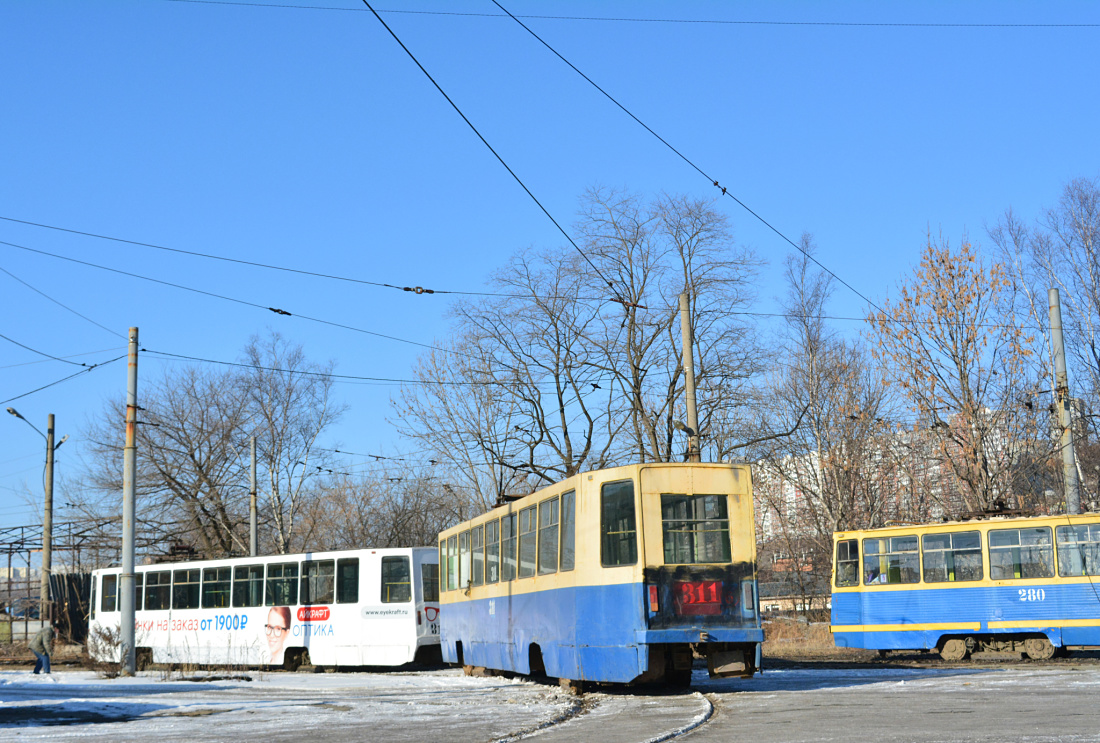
252	502
1063	402
689	380
129	474
45	611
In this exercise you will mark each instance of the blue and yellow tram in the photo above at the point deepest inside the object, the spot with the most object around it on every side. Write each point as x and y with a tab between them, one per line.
617	575
1005	584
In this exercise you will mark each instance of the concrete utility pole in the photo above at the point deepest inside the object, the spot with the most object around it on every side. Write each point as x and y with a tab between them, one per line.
129	474
689	380
1063	401
252	502
44	609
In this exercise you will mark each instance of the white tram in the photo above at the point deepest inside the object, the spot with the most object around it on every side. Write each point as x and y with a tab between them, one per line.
348	608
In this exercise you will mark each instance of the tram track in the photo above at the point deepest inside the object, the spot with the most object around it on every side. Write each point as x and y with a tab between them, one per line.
623	717
578	707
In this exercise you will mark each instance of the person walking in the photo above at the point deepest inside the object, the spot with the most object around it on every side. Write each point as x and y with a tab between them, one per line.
42	646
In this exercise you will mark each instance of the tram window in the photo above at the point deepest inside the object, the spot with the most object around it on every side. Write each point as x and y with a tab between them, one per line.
318	579
528	541
477	554
110	593
696	529
282	584
396	580
185	589
217	585
548	536
1078	549
1020	553
347	580
568	529
452	563
429	574
847	563
248	585
139	580
618	530
1016	554
158	590
508	547
464	560
492	552
891	560
91	600
952	556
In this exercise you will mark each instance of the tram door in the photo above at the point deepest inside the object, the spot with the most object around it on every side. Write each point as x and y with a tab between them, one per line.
426	569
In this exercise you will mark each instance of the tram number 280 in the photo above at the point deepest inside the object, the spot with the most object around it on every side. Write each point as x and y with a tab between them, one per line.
1032	594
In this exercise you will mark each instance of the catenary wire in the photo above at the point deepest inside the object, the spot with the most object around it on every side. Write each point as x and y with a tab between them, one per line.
304	372
59	304
42	353
710	21
256	264
687	160
417	289
65	379
70	356
617	297
276	310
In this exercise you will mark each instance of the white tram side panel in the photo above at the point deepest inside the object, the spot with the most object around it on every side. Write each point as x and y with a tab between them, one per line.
348	608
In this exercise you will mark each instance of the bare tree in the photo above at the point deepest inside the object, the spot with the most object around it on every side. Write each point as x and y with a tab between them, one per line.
192	439
1062	251
457	413
289	402
407	511
651	253
575	362
956	352
825	425
189	479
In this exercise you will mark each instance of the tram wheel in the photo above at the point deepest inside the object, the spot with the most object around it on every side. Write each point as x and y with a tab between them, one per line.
954	650
1038	648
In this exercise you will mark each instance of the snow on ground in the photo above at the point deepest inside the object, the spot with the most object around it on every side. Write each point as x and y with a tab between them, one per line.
444	705
273	706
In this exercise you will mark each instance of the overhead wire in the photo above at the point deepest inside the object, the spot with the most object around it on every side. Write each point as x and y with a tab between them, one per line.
59	304
276	310
626	19
256	264
70	356
687	160
420	290
334	377
42	353
307	372
65	379
617	296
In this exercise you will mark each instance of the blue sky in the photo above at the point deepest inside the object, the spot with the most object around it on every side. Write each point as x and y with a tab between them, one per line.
307	138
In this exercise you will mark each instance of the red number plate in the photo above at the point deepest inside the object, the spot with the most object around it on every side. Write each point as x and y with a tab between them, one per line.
698	598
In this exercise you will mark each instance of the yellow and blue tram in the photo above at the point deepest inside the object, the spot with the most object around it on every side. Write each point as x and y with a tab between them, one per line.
1004	584
618	575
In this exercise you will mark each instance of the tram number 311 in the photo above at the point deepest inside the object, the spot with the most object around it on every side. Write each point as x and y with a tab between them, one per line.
1032	594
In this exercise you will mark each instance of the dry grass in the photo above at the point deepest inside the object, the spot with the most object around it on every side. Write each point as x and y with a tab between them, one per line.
18	654
793	639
